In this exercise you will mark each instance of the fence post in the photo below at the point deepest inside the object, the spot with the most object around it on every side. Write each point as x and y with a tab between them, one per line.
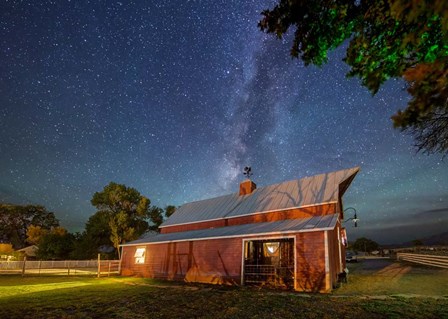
119	263
99	265
23	268
68	273
40	265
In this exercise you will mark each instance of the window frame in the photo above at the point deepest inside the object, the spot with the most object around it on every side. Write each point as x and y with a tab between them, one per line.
140	255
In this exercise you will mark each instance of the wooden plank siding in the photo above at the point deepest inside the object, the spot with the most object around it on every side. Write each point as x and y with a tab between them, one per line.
310	259
208	261
302	212
219	261
193	226
336	266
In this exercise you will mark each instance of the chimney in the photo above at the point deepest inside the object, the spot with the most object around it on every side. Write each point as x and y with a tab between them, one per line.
247	187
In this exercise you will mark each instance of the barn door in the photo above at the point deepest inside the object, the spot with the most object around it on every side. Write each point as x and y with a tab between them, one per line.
269	262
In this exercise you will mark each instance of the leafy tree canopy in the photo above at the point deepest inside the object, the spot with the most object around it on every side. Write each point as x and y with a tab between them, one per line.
36	233
125	211
417	242
15	221
388	38
170	210
365	244
56	245
6	248
123	215
97	231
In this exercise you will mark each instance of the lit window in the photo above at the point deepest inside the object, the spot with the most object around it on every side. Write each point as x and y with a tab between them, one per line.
271	249
140	255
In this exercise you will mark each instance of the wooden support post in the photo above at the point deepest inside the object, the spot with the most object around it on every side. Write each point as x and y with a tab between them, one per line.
24	266
40	265
99	265
119	263
108	272
68	272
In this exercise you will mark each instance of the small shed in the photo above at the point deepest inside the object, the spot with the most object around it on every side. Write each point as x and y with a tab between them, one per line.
29	252
286	235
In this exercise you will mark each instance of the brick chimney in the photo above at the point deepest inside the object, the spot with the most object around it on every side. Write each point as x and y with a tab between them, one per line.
247	187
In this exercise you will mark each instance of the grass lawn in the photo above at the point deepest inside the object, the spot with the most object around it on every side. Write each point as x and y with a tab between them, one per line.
386	277
120	297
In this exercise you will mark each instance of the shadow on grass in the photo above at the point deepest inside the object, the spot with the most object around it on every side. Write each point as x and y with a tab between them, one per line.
120	297
388	277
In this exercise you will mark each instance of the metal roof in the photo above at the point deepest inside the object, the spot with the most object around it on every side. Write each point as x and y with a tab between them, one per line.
282	227
308	191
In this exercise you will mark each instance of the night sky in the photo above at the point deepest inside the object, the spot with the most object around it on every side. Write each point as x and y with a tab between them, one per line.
174	98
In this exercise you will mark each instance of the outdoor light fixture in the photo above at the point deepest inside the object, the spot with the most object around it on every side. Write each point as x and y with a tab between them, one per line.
354	218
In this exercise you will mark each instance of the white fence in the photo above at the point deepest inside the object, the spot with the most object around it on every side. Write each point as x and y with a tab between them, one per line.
429	260
61	267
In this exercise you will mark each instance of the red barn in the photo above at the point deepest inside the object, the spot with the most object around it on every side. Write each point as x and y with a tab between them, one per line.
285	235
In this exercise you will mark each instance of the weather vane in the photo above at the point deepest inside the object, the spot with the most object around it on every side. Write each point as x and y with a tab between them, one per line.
248	172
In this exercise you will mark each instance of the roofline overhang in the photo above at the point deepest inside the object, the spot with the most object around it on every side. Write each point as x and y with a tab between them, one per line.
234	236
251	214
345	184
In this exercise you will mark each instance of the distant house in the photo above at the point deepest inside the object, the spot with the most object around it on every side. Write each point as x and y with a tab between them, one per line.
29	252
285	235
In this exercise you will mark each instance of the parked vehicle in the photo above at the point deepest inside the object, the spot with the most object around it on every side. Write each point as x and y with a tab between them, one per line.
351	257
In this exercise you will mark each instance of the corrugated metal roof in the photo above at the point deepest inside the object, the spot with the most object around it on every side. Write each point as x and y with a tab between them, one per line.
308	191
282	227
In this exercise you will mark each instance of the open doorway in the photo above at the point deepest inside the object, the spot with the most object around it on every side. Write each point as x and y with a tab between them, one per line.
269	262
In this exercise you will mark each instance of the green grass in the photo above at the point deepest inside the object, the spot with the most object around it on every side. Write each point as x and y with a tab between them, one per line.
395	279
390	291
120	297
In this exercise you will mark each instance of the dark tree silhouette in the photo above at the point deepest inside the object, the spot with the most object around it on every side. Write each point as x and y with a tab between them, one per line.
125	210
16	219
365	244
387	39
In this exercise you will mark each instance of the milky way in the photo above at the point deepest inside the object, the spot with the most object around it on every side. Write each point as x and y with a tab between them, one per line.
175	98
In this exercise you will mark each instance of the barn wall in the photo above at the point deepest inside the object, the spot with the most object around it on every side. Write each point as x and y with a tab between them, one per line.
209	261
219	261
310	254
333	254
303	212
340	253
193	226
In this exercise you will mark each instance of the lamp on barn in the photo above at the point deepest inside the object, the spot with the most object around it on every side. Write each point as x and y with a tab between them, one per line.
354	218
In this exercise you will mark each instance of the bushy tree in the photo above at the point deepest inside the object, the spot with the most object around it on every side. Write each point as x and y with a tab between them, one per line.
156	216
387	39
56	246
15	221
365	244
417	242
35	233
96	235
170	210
54	243
124	215
6	249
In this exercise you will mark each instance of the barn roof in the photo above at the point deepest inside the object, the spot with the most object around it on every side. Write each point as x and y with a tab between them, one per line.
308	191
282	227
